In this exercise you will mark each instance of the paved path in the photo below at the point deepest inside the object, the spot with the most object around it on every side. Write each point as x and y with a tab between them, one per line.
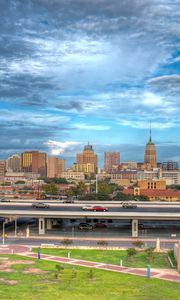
10	249
170	275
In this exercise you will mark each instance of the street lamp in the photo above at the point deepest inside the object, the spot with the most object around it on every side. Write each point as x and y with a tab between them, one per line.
96	183
3	232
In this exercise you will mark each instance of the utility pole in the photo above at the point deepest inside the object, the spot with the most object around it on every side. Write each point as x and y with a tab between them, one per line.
96	183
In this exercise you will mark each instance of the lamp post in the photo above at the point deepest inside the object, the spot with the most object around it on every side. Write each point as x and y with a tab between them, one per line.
96	183
15	227
3	232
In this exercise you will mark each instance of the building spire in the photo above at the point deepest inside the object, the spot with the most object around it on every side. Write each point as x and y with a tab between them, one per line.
150	138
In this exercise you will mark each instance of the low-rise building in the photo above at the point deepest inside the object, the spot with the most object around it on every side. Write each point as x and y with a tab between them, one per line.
154	194
70	175
152	184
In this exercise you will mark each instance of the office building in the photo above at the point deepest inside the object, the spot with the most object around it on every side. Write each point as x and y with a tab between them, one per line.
34	161
111	160
87	168
150	155
2	170
87	157
13	163
55	167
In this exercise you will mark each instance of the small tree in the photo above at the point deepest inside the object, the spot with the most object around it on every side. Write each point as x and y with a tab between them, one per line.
66	242
131	252
102	243
150	254
138	244
74	273
91	274
58	270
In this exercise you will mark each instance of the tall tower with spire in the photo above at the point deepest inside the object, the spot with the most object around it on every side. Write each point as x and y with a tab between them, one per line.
150	154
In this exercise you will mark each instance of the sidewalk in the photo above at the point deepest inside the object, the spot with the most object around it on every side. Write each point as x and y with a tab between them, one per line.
164	274
170	275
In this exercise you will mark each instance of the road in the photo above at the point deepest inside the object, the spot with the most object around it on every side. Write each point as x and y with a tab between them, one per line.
78	208
88	242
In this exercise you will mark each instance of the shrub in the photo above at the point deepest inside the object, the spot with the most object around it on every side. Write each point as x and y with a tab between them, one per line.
138	244
102	243
66	242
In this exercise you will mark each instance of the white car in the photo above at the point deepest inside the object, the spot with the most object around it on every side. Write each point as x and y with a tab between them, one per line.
87	207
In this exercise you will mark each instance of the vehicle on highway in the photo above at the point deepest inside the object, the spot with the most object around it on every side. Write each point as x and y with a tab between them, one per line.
100	225
87	207
99	208
85	226
129	205
68	201
40	205
4	200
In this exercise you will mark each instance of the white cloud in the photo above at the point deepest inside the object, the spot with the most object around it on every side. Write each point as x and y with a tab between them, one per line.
141	124
151	99
33	118
92	127
57	148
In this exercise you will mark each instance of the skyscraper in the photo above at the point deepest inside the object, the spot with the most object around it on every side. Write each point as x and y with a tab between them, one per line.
87	157
150	155
34	161
13	163
2	169
111	159
55	167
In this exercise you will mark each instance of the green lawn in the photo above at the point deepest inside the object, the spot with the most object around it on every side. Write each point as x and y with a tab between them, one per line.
140	260
79	284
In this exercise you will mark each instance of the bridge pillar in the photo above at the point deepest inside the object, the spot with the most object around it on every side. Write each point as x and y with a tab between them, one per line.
41	225
134	228
49	224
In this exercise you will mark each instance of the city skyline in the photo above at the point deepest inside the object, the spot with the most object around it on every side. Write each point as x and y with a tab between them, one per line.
73	72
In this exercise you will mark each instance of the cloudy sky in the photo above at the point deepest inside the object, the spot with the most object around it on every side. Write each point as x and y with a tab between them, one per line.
73	71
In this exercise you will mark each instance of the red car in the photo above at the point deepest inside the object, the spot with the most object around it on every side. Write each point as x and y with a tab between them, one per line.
99	208
100	225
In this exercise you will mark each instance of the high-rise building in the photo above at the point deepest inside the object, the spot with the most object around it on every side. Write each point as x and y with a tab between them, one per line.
111	159
34	161
170	165
13	163
87	157
2	170
55	167
150	155
87	168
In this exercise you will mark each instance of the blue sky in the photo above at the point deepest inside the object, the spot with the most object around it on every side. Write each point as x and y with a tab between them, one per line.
97	71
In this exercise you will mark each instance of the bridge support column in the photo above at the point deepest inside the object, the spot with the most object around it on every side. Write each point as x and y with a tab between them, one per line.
134	228
41	225
49	224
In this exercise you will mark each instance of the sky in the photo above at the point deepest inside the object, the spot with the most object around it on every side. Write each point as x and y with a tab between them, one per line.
97	71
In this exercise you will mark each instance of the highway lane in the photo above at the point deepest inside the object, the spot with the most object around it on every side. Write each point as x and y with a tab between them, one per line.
69	208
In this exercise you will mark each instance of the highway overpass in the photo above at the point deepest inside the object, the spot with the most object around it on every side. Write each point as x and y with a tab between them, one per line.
13	211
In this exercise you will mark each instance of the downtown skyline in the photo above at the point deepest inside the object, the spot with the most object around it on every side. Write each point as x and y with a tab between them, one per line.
97	71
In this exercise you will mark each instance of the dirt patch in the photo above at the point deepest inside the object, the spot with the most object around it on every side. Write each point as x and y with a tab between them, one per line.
35	271
5	266
5	281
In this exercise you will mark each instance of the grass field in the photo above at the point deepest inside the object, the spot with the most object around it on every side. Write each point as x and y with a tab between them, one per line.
27	282
140	260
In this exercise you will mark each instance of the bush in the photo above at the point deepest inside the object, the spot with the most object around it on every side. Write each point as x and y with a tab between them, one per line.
66	242
131	252
138	244
102	243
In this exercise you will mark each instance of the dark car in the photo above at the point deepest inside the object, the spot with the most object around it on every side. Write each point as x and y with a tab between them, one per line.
128	205
100	225
85	226
4	200
40	205
99	208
